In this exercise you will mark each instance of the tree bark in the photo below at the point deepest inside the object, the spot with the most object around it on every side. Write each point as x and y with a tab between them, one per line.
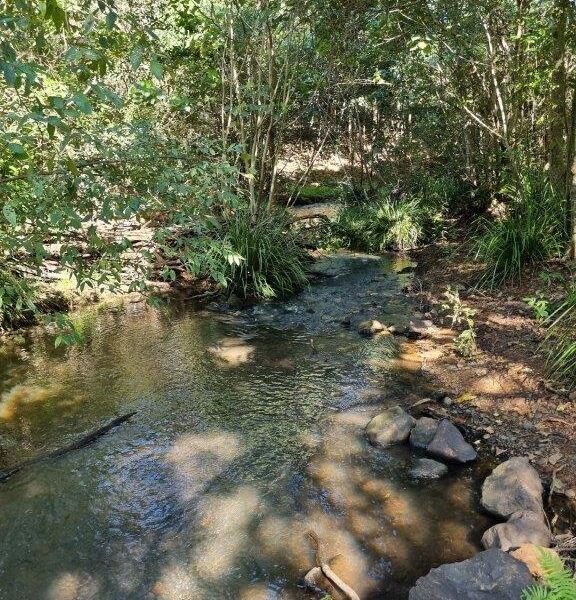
558	118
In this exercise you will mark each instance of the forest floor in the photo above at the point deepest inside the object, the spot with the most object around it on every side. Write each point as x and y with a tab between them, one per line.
501	393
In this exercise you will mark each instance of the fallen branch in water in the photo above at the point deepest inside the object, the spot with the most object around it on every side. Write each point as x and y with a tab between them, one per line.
80	443
323	565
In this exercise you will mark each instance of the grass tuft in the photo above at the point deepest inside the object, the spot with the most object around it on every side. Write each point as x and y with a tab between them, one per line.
532	231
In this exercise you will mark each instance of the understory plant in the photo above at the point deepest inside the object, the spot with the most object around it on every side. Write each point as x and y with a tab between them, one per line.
561	340
531	231
262	255
16	298
461	316
558	582
383	225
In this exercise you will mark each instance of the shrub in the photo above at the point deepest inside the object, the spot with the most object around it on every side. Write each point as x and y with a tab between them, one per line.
561	342
532	231
16	299
383	225
262	256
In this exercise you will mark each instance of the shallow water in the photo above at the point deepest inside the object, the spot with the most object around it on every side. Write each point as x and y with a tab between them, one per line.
247	433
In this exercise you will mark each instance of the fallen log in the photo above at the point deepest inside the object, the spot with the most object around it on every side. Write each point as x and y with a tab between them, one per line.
76	445
322	563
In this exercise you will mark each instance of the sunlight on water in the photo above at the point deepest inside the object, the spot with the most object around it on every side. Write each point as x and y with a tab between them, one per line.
248	432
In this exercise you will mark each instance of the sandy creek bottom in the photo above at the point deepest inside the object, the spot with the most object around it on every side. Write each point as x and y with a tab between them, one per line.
248	431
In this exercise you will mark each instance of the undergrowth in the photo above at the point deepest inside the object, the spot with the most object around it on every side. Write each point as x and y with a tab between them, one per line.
263	256
16	299
531	231
558	581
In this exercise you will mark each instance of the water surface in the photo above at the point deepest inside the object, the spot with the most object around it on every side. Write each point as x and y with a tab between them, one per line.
247	433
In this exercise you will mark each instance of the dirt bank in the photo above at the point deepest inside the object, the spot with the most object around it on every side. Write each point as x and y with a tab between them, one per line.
501	393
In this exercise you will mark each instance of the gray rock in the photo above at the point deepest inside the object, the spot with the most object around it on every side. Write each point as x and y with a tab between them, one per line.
426	468
423	432
370	327
523	527
513	486
448	443
490	575
390	427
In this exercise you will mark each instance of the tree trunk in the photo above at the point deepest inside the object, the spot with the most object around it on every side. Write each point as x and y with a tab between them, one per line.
573	211
558	120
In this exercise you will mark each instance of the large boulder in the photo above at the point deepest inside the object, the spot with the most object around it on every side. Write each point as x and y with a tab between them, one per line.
390	427
449	444
490	575
513	486
426	468
423	432
523	527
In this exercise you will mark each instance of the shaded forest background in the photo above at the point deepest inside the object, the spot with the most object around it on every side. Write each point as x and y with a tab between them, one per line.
185	116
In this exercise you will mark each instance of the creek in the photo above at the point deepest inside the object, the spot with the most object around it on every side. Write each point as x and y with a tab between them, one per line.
248	432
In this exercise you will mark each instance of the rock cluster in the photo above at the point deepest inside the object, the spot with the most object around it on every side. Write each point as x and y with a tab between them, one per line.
514	492
441	439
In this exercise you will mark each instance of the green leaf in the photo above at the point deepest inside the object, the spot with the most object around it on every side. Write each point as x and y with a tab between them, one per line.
156	69
111	18
16	148
136	58
55	13
82	102
10	214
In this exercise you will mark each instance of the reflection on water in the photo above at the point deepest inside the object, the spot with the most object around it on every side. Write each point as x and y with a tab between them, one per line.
246	435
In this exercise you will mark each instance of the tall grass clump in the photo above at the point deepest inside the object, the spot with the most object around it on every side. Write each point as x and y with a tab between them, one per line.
262	256
561	340
383	225
533	230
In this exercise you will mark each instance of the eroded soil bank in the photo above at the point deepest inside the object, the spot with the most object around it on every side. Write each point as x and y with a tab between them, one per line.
501	393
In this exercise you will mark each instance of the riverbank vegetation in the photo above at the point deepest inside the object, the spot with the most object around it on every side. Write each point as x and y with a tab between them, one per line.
184	119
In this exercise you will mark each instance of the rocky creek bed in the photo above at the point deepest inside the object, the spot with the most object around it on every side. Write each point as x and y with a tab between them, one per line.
252	427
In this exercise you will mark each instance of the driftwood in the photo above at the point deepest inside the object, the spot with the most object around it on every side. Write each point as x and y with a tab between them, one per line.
80	443
322	563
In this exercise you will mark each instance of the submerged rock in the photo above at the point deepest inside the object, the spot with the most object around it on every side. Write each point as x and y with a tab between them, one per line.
524	527
424	432
490	575
390	427
513	486
448	443
426	468
370	327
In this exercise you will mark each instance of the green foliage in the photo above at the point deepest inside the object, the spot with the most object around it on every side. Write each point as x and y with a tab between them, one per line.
262	256
561	342
253	256
541	306
16	299
532	231
380	226
461	316
559	582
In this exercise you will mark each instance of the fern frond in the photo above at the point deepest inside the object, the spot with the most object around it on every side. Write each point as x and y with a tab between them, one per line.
559	582
536	592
